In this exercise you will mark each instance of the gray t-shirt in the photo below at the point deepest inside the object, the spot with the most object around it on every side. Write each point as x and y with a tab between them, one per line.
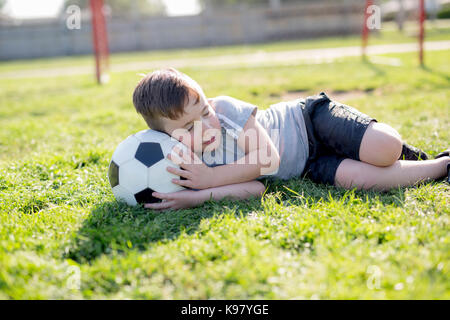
283	122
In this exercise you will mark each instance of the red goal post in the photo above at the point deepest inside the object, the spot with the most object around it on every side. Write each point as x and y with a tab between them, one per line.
421	34
100	41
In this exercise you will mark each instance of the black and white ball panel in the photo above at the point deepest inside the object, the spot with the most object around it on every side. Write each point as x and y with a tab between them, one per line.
145	196
132	176
124	195
138	167
149	153
158	177
113	174
126	150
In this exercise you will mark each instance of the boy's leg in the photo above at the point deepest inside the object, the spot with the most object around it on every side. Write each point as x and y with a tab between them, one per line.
347	132
352	173
381	145
352	134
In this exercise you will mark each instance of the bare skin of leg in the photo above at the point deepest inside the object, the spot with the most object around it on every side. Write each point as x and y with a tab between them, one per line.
379	168
381	145
352	173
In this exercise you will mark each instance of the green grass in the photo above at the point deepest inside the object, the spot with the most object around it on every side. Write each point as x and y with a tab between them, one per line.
302	240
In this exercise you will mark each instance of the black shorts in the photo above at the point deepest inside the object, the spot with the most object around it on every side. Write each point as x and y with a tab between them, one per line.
335	131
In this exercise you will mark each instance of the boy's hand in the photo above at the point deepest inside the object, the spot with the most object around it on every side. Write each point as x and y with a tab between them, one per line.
197	174
190	198
176	200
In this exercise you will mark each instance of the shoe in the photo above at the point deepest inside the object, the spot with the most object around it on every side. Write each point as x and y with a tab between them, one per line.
448	173
445	153
412	153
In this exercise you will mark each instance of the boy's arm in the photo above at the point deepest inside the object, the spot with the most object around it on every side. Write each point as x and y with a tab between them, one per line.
261	157
190	198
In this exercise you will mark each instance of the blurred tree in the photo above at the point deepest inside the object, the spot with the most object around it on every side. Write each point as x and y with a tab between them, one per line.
125	7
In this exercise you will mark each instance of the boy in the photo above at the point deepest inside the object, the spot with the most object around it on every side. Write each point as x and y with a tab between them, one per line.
230	144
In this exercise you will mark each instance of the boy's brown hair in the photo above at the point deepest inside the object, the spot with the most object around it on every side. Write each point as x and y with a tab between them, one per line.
163	93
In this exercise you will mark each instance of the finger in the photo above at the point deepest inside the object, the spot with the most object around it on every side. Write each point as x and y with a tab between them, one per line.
159	205
177	150
179	172
181	162
185	167
183	183
171	206
177	156
193	158
162	196
176	159
186	154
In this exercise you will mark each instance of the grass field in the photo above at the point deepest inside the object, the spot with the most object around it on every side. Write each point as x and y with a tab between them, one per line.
60	222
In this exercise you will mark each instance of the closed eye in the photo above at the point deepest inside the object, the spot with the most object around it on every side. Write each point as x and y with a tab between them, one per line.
206	111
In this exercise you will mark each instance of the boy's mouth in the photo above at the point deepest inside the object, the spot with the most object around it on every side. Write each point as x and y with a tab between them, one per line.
210	141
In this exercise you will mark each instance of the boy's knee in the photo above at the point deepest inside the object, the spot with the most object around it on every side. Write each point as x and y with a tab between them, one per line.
392	149
387	145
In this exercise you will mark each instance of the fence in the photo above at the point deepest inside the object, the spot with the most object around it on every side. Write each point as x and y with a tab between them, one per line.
210	28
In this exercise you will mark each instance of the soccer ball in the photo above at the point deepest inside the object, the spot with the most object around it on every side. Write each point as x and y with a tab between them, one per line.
138	167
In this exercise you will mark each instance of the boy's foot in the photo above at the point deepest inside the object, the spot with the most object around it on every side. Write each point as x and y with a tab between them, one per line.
412	153
445	153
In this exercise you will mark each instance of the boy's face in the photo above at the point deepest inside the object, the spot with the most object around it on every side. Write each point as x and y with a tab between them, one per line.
198	128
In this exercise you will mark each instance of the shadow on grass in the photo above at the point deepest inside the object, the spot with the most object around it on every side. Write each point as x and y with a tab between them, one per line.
114	226
435	72
378	71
